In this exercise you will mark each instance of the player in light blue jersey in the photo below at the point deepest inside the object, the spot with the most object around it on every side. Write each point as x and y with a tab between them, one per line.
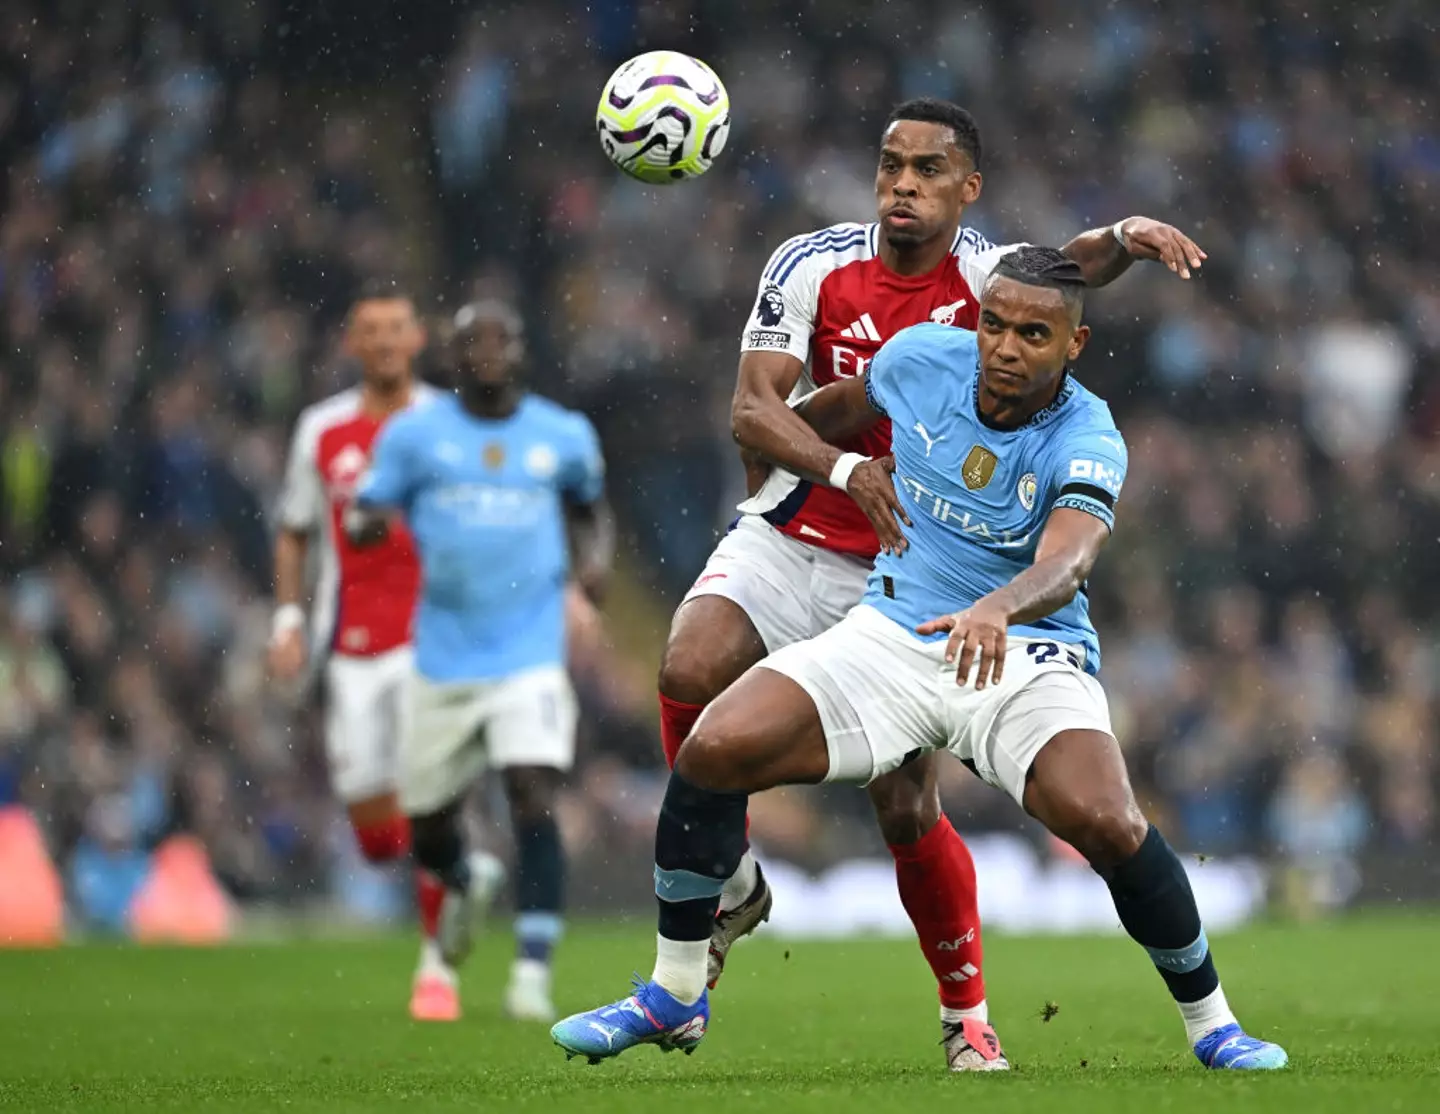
499	487
974	636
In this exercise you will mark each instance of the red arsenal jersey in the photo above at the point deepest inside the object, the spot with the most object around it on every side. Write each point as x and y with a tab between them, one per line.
365	597
828	300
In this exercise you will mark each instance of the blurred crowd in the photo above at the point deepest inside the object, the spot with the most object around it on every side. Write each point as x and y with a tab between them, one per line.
186	212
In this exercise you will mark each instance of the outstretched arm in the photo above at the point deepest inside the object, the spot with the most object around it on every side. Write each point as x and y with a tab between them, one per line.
1104	254
1066	554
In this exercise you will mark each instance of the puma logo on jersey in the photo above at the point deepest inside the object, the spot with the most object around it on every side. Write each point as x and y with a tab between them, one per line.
1110	440
945	315
930	442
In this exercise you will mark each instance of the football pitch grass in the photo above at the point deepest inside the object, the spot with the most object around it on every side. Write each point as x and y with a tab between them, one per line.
824	1027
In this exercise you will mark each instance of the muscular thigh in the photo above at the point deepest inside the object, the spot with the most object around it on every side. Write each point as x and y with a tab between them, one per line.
876	691
712	643
763	731
752	599
1001	729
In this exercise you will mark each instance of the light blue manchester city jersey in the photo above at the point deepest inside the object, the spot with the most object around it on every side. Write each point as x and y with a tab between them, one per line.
485	501
979	497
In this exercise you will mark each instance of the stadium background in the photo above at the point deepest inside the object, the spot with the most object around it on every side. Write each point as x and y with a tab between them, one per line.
192	192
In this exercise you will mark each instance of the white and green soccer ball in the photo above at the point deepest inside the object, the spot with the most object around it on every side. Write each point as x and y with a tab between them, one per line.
663	117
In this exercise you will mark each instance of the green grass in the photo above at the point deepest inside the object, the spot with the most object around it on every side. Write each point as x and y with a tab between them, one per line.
828	1028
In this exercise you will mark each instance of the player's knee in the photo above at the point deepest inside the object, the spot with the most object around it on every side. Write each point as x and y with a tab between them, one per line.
904	809
711	644
689	673
436	840
531	793
728	757
702	760
714	757
383	841
1110	832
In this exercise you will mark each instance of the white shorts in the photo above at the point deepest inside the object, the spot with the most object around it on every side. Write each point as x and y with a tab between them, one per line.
460	729
883	695
791	591
365	714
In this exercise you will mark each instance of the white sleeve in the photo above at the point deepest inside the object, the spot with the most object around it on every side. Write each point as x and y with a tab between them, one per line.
783	318
978	257
302	498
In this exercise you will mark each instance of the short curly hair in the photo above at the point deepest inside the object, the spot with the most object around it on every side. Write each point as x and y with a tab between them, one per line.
932	110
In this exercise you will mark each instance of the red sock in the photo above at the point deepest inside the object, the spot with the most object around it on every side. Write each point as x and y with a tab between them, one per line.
937	887
429	896
385	840
676	719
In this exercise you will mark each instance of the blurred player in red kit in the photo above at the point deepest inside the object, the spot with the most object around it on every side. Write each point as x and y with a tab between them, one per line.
359	628
797	559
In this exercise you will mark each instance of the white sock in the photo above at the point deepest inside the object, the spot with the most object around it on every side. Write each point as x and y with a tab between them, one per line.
680	968
535	970
1205	1016
432	964
974	1013
741	884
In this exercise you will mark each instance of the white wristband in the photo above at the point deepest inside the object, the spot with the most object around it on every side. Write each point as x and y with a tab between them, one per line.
288	617
1119	230
840	474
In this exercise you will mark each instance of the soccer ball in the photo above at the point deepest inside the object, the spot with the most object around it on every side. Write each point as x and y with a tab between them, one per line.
663	117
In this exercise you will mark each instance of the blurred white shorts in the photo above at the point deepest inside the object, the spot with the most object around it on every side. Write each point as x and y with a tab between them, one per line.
365	715
791	591
884	696
458	730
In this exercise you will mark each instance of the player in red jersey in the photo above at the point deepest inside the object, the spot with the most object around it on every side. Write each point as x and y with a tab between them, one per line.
798	557
364	598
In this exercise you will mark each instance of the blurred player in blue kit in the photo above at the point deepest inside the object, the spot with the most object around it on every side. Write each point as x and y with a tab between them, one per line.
503	492
974	636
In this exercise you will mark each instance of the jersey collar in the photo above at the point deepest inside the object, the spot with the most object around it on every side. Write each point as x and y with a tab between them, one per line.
1039	418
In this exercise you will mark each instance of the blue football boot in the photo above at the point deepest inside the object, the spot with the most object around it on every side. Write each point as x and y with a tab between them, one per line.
649	1016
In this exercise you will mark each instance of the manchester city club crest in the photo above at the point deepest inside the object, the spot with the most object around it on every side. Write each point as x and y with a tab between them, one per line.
542	462
979	466
493	455
1026	491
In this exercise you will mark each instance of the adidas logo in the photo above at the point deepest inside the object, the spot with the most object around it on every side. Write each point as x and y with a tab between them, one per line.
864	329
965	974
